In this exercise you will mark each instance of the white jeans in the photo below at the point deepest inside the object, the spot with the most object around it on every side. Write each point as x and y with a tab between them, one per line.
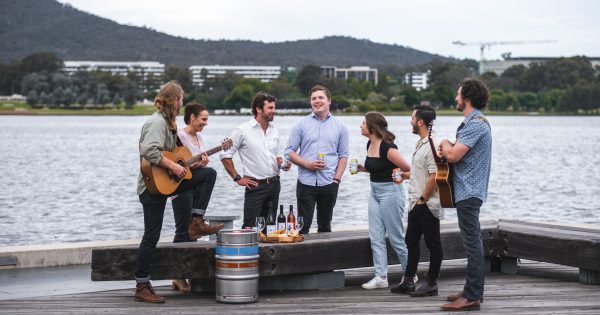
386	209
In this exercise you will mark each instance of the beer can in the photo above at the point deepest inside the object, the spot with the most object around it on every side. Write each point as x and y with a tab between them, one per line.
321	157
397	174
353	166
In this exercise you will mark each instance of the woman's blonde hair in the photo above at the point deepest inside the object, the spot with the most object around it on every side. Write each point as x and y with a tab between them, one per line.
166	101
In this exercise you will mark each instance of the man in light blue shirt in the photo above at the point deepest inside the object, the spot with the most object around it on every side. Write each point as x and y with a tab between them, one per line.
471	158
318	144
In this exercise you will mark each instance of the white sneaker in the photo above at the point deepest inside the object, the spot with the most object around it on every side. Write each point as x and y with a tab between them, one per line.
376	283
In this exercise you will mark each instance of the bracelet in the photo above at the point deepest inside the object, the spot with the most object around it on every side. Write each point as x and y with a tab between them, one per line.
422	199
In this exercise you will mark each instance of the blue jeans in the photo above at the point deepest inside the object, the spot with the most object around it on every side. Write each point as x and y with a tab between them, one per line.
386	209
470	231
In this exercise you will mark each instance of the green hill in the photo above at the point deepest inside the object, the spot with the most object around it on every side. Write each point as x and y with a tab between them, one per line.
30	26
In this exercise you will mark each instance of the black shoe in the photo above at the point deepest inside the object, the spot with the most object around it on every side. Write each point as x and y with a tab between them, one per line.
406	286
426	288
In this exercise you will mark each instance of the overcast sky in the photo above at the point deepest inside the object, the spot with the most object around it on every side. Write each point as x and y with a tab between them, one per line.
426	25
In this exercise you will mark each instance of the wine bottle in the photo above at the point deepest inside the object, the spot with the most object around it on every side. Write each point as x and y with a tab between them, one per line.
271	224
291	219
281	219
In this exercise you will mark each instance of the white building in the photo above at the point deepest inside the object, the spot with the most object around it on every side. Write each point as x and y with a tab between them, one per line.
150	73
355	72
418	80
262	73
499	66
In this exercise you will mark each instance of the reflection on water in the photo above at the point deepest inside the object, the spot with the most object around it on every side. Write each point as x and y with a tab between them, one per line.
73	178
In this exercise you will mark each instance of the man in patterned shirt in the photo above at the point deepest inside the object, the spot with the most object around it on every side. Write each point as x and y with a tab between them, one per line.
471	156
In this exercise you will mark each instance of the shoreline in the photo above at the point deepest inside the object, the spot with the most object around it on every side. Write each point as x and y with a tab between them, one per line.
113	112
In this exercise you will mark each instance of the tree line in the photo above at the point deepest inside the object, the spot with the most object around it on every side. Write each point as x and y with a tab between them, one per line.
558	86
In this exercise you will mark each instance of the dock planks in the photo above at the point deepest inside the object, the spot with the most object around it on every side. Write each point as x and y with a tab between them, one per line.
539	288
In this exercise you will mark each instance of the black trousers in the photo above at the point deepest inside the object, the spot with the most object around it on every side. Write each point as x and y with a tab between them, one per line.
422	222
256	200
324	197
196	191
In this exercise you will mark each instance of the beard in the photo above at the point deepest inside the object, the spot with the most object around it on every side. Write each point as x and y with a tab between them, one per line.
415	129
460	107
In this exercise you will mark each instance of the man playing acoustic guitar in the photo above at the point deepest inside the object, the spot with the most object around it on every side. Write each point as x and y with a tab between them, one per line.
471	157
159	133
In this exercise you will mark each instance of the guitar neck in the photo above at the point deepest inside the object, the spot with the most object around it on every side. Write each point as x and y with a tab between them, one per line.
198	157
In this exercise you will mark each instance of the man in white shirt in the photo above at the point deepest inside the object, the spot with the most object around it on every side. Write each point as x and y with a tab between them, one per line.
257	143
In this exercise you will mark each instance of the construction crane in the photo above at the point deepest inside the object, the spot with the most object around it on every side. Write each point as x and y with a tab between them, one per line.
484	45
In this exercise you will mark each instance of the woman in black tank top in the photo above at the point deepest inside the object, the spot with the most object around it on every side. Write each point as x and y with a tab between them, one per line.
386	201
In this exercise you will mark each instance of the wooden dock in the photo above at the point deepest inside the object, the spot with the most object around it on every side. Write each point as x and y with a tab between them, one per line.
538	288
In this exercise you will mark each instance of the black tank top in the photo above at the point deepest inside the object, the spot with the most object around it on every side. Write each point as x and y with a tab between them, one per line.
380	168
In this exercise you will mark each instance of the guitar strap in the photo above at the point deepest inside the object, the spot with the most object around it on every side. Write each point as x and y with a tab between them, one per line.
178	142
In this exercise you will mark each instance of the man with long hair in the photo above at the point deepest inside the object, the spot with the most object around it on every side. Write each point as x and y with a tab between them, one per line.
159	133
425	210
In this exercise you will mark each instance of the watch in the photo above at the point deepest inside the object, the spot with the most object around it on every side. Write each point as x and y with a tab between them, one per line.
337	181
237	177
422	199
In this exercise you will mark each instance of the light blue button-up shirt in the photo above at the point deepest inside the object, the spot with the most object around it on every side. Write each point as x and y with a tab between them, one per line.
472	172
311	136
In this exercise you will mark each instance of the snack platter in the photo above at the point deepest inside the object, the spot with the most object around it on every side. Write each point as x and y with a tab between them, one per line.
281	236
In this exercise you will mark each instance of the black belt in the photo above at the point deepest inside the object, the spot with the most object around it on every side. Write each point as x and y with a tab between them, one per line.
269	180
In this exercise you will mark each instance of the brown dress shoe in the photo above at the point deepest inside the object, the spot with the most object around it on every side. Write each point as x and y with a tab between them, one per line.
198	227
454	297
145	293
461	304
181	285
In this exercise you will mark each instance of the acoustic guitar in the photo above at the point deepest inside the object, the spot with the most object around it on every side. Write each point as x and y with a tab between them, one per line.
160	180
443	176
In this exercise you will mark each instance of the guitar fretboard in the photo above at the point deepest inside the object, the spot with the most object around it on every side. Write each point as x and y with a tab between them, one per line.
198	157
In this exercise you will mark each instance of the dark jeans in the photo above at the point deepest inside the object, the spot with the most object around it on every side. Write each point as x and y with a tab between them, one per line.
470	232
324	197
198	191
422	222
256	200
154	209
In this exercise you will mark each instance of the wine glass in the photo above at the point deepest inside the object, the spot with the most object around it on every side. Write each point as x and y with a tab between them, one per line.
260	224
299	223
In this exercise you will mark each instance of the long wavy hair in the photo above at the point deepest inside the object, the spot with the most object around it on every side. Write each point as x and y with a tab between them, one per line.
377	125
166	100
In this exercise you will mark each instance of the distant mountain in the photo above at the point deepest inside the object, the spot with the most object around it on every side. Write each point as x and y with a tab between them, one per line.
30	26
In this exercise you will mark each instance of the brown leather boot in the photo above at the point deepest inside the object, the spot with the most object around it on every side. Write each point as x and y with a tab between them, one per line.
181	285
198	227
454	297
145	293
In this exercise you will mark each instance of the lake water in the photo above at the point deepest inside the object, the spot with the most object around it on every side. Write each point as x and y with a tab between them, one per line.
73	178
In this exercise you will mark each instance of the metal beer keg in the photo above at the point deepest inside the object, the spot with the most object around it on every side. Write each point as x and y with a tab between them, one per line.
237	259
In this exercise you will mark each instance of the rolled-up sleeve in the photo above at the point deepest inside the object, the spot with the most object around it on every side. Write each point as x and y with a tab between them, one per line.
237	138
151	142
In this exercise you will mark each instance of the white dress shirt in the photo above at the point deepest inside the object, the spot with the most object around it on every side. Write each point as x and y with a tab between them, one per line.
258	150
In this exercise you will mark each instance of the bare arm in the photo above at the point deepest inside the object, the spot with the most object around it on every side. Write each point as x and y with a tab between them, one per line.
395	157
453	152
